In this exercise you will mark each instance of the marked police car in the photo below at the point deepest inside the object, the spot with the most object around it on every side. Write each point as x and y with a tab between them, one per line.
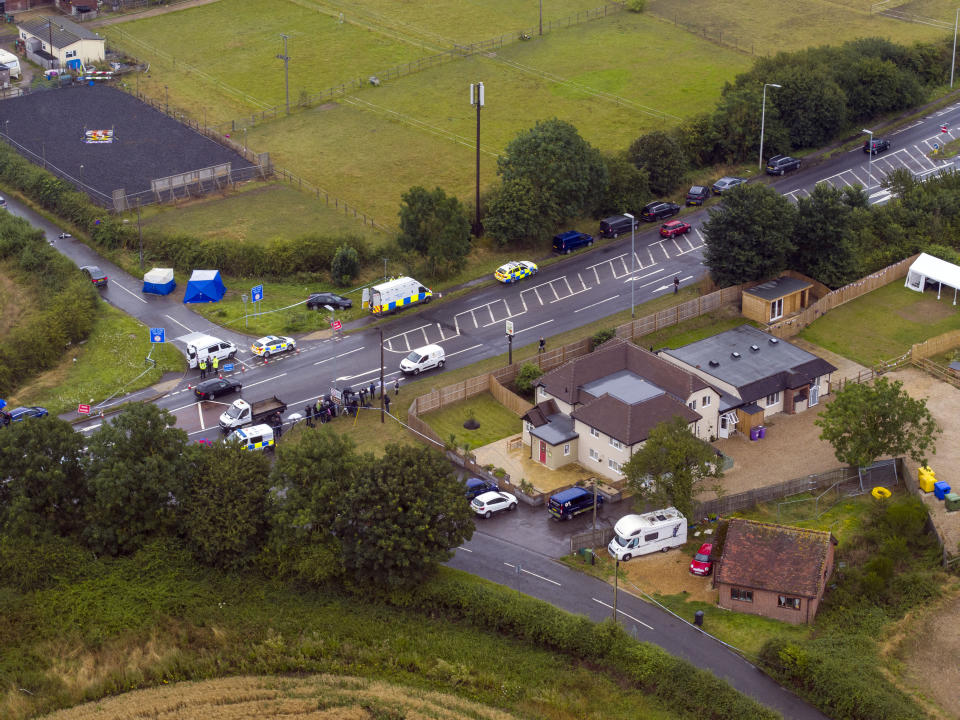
516	270
272	344
254	437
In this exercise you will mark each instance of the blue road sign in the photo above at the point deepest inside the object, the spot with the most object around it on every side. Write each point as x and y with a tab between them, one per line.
256	294
157	335
228	367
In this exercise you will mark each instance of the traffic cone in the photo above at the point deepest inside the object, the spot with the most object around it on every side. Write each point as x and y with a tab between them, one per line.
220	376
266	360
243	369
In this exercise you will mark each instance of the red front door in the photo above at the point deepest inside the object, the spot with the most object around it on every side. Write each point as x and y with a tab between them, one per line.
543	451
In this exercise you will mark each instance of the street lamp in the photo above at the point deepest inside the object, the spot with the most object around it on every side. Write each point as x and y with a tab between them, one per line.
870	153
953	58
763	117
633	261
81	175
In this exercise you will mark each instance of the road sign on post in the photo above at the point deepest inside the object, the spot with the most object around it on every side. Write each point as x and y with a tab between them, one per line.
256	293
157	335
336	325
509	327
83	409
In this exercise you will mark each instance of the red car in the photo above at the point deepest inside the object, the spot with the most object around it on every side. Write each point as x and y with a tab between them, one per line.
674	228
701	563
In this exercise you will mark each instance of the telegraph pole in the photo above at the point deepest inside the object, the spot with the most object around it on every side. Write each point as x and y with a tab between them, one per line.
383	390
286	68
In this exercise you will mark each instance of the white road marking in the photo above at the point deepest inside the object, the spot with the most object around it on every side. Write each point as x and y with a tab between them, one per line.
539	577
129	292
472	347
613	297
349	352
200	415
261	382
179	323
641	622
460	547
532	327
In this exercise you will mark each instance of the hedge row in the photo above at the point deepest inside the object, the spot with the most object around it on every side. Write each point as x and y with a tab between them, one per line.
483	604
67	304
309	253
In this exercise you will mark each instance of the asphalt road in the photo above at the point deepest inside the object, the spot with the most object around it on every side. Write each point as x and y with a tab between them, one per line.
540	576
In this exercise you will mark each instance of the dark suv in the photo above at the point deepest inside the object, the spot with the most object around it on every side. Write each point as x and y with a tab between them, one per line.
698	194
879	146
616	224
780	164
659	210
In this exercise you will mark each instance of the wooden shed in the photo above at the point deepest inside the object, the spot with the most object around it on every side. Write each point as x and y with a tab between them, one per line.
775	299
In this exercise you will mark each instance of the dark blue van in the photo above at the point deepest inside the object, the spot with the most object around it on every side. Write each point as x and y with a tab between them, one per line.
571	240
564	505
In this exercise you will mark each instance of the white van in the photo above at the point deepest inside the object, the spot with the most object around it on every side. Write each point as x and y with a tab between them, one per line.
423	358
201	346
642	534
255	437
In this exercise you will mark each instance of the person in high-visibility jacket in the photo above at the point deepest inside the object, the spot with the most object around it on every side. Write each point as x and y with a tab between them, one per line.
203	369
216	364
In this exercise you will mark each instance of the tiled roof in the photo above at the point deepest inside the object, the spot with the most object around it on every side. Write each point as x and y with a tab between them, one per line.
566	381
772	557
631	424
57	30
538	414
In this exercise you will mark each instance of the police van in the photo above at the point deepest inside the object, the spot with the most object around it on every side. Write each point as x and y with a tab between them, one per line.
395	295
254	437
201	346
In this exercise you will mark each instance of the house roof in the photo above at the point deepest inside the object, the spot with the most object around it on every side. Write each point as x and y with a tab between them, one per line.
754	362
773	289
538	414
63	33
570	381
777	558
631	423
558	429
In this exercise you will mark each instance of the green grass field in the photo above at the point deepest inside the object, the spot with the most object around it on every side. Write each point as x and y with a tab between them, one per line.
495	421
889	320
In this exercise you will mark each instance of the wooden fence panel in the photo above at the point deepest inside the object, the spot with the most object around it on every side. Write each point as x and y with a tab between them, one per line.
509	400
936	345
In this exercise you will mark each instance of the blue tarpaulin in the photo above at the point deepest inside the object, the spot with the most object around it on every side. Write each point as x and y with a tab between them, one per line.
204	286
159	281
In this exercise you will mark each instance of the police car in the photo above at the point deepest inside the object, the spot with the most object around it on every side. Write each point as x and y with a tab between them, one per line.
271	344
516	270
254	437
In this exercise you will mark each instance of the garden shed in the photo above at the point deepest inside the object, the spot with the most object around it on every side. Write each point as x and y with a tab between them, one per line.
929	269
774	299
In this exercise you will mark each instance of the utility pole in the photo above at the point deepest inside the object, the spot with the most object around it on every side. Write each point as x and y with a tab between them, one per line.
541	17
286	68
594	504
476	99
383	413
616	578
140	233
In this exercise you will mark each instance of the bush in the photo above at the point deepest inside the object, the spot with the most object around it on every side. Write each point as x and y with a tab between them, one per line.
345	265
637	6
600	337
526	377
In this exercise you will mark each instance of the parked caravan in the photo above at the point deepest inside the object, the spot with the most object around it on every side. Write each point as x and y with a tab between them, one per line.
11	62
200	346
642	534
394	295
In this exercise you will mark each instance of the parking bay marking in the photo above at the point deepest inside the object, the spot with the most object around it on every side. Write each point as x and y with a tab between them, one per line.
350	352
648	627
540	577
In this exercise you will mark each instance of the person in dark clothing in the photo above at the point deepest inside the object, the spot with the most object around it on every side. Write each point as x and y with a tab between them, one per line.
386	403
676	284
373	392
396	386
308	414
543	346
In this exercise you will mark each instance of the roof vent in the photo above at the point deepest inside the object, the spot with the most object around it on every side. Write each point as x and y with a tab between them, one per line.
755	348
735	355
774	341
714	363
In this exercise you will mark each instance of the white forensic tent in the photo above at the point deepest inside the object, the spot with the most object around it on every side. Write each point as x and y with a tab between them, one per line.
927	268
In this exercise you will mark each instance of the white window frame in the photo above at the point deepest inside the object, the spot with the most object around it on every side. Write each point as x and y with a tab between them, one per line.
566	449
773	398
594	432
692	404
615	466
595	455
705	401
70	54
776	309
616	444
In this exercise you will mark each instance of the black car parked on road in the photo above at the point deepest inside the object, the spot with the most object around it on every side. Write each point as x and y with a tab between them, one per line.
697	195
780	164
211	389
337	302
879	145
659	210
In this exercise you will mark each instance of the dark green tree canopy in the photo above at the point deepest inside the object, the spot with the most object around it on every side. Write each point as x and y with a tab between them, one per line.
865	422
671	466
662	158
516	214
750	236
435	227
823	237
568	175
629	188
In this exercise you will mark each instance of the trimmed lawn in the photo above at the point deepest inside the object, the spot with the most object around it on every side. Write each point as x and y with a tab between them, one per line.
695	329
111	359
886	323
495	421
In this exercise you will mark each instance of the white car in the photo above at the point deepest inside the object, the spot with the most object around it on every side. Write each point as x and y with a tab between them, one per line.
493	501
271	344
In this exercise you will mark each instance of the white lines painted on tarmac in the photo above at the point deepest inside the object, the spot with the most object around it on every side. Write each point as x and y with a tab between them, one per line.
641	622
539	577
129	292
472	347
533	327
601	302
179	323
335	357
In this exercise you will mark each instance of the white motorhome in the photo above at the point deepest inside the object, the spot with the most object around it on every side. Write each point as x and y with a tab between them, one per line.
201	346
11	62
642	534
423	358
394	295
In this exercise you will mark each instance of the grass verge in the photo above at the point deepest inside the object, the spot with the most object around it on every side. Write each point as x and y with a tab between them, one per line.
495	421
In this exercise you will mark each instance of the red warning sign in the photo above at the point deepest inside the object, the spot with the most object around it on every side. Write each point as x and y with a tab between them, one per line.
336	325
83	409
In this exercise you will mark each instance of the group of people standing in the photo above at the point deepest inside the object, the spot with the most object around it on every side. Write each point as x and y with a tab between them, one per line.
325	409
213	363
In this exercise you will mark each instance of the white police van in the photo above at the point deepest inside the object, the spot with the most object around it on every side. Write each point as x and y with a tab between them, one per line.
254	437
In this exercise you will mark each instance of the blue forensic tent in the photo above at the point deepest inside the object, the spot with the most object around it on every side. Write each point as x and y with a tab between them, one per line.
204	286
159	281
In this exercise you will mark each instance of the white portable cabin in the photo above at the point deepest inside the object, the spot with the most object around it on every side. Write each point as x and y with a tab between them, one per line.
643	534
11	62
394	295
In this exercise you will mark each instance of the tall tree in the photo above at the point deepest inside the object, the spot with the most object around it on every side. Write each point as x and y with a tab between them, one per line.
812	106
435	226
401	517
516	216
865	422
135	466
662	158
568	176
749	236
671	466
629	188
824	238
222	508
44	487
